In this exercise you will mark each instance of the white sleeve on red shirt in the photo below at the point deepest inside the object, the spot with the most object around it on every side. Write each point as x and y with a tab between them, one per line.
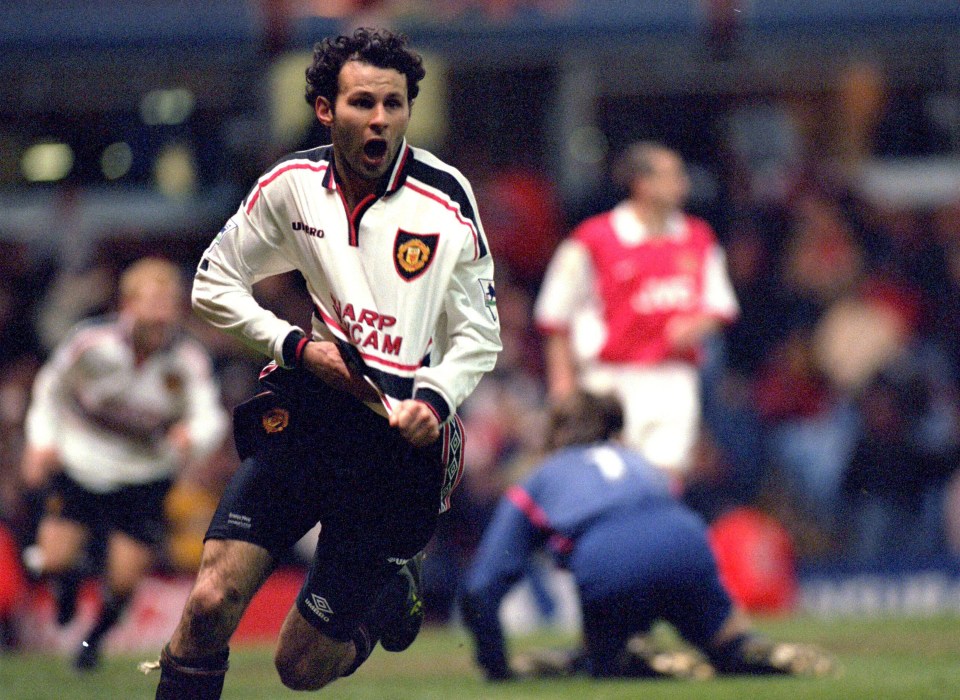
719	298
567	288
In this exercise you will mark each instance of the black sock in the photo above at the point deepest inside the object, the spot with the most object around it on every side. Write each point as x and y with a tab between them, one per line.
112	608
193	679
66	589
366	636
364	644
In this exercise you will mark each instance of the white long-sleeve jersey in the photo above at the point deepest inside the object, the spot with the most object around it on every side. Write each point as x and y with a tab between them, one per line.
404	283
107	415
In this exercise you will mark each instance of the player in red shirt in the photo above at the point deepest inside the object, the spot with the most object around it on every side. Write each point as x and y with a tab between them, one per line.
628	300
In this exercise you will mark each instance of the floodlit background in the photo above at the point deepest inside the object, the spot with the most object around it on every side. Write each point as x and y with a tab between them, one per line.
823	139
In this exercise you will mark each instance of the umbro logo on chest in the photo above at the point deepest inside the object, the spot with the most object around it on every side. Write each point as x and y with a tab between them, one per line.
309	230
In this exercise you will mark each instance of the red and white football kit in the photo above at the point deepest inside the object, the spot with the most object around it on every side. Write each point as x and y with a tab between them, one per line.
614	288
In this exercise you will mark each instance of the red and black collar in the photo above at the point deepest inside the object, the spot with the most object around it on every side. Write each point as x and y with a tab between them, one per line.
388	185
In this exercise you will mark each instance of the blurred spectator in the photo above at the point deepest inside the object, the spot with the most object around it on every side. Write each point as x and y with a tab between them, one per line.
522	221
944	309
863	332
808	422
906	450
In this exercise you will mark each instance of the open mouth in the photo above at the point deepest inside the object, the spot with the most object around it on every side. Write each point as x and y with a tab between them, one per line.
375	149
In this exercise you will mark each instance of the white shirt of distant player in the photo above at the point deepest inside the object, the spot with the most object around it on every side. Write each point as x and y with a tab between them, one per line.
107	415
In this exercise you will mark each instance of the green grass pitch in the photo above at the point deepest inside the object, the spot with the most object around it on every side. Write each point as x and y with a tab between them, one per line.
893	658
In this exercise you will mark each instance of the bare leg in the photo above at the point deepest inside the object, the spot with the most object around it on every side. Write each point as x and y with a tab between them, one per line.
307	659
193	665
61	543
128	561
230	574
60	547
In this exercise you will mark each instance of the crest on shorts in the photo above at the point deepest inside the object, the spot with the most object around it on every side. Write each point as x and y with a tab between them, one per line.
275	420
413	253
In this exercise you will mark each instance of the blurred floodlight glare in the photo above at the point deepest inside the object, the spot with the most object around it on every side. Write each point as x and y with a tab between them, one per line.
588	145
116	159
47	162
175	172
167	106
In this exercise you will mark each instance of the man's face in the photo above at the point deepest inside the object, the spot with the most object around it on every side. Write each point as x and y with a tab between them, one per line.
368	121
155	310
667	186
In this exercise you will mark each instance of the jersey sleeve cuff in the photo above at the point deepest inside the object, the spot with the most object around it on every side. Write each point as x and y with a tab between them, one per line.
435	401
293	347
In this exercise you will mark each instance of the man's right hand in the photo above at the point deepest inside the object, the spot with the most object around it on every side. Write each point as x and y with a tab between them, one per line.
37	465
323	358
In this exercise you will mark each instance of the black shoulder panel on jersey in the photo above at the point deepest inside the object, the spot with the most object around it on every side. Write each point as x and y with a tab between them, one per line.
316	155
449	185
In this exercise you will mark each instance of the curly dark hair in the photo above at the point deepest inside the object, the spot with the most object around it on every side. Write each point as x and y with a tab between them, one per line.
378	47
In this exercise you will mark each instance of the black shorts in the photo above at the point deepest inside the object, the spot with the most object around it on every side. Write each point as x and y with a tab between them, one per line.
313	454
136	510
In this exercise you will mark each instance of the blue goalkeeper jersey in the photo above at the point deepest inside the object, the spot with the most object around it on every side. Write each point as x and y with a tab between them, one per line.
577	485
603	511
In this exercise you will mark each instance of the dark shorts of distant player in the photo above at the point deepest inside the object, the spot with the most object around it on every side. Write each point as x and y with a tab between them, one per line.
311	453
136	510
648	564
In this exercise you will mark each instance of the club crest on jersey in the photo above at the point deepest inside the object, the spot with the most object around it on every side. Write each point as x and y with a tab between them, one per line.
275	420
413	253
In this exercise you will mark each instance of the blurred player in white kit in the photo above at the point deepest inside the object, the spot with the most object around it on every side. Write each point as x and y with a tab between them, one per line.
123	402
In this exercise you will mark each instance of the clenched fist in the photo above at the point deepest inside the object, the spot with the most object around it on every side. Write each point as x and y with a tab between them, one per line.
416	422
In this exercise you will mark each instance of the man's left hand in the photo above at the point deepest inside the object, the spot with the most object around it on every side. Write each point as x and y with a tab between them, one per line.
687	332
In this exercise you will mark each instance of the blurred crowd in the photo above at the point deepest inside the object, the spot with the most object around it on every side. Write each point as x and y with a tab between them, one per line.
832	403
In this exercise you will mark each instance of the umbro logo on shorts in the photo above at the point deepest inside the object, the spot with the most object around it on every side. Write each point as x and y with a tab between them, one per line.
320	607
